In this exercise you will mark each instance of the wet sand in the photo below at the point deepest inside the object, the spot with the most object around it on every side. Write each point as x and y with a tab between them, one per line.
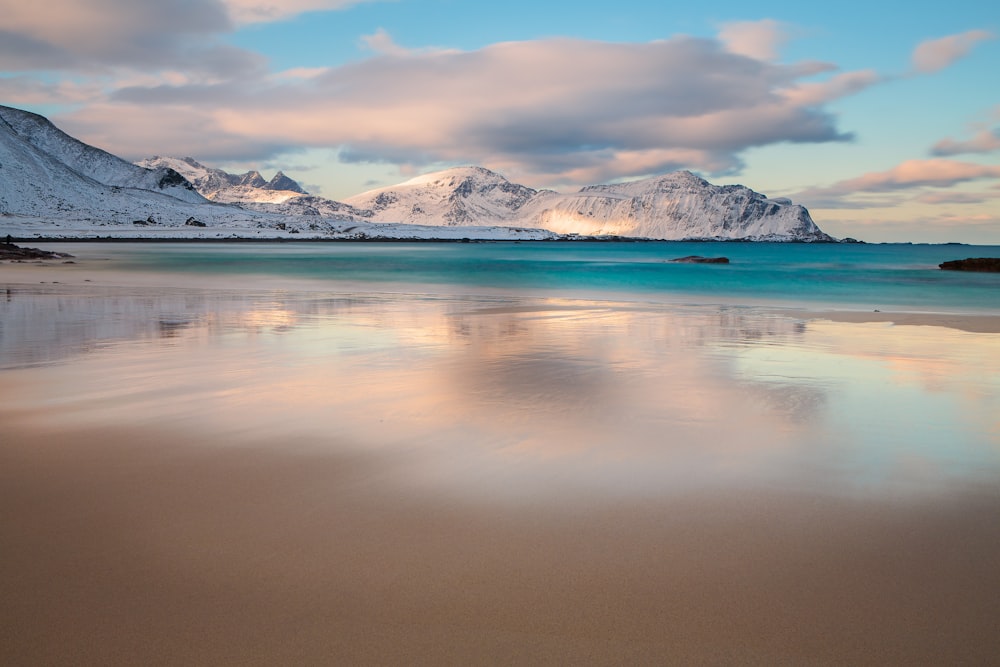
961	321
189	478
147	548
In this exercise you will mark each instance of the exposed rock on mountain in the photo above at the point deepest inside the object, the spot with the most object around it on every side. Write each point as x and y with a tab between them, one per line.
281	182
221	186
280	196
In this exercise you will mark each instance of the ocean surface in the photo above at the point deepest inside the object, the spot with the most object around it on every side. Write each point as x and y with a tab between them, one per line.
460	453
896	276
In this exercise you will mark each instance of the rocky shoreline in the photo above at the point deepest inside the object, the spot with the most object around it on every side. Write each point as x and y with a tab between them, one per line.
9	251
979	264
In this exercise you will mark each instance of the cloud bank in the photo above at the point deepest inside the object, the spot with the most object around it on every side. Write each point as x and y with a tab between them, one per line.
908	175
555	110
156	76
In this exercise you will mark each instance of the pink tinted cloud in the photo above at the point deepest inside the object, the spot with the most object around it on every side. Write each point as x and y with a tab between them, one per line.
936	54
912	174
95	35
82	34
761	40
957	197
266	11
841	85
918	173
570	107
985	141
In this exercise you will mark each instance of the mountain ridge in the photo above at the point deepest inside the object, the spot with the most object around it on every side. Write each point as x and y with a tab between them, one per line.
675	206
50	180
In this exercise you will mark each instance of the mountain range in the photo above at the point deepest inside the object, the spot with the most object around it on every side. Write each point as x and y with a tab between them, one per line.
52	184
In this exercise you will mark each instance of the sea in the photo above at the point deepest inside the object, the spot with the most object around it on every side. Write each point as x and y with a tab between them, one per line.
863	276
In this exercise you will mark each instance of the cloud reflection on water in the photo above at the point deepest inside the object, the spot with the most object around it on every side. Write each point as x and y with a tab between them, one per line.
509	394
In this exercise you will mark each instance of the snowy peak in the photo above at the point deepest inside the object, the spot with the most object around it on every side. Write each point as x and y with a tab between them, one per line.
458	196
253	179
221	186
92	162
282	182
672	182
455	176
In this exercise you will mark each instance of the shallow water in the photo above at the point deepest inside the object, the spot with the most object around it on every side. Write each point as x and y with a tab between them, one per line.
610	397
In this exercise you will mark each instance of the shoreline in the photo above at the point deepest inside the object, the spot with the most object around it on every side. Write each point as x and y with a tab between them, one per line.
78	273
306	238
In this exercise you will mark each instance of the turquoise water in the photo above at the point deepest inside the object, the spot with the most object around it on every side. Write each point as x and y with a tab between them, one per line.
866	276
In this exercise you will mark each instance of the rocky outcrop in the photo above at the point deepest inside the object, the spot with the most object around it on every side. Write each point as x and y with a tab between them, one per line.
698	259
9	251
281	182
978	264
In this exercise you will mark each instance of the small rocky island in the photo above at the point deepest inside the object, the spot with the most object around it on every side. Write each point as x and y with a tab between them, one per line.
9	251
698	259
981	264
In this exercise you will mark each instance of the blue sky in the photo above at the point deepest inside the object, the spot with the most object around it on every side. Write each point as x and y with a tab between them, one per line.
882	118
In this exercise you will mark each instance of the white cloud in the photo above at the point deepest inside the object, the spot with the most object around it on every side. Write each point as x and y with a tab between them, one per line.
936	54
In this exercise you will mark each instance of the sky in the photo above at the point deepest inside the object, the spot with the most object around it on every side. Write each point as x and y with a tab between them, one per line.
883	119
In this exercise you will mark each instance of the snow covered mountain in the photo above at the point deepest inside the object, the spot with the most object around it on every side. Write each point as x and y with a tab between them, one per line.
95	163
459	196
54	185
221	186
281	195
35	182
675	206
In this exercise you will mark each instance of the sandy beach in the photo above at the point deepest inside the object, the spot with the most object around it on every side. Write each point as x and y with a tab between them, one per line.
140	547
200	472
